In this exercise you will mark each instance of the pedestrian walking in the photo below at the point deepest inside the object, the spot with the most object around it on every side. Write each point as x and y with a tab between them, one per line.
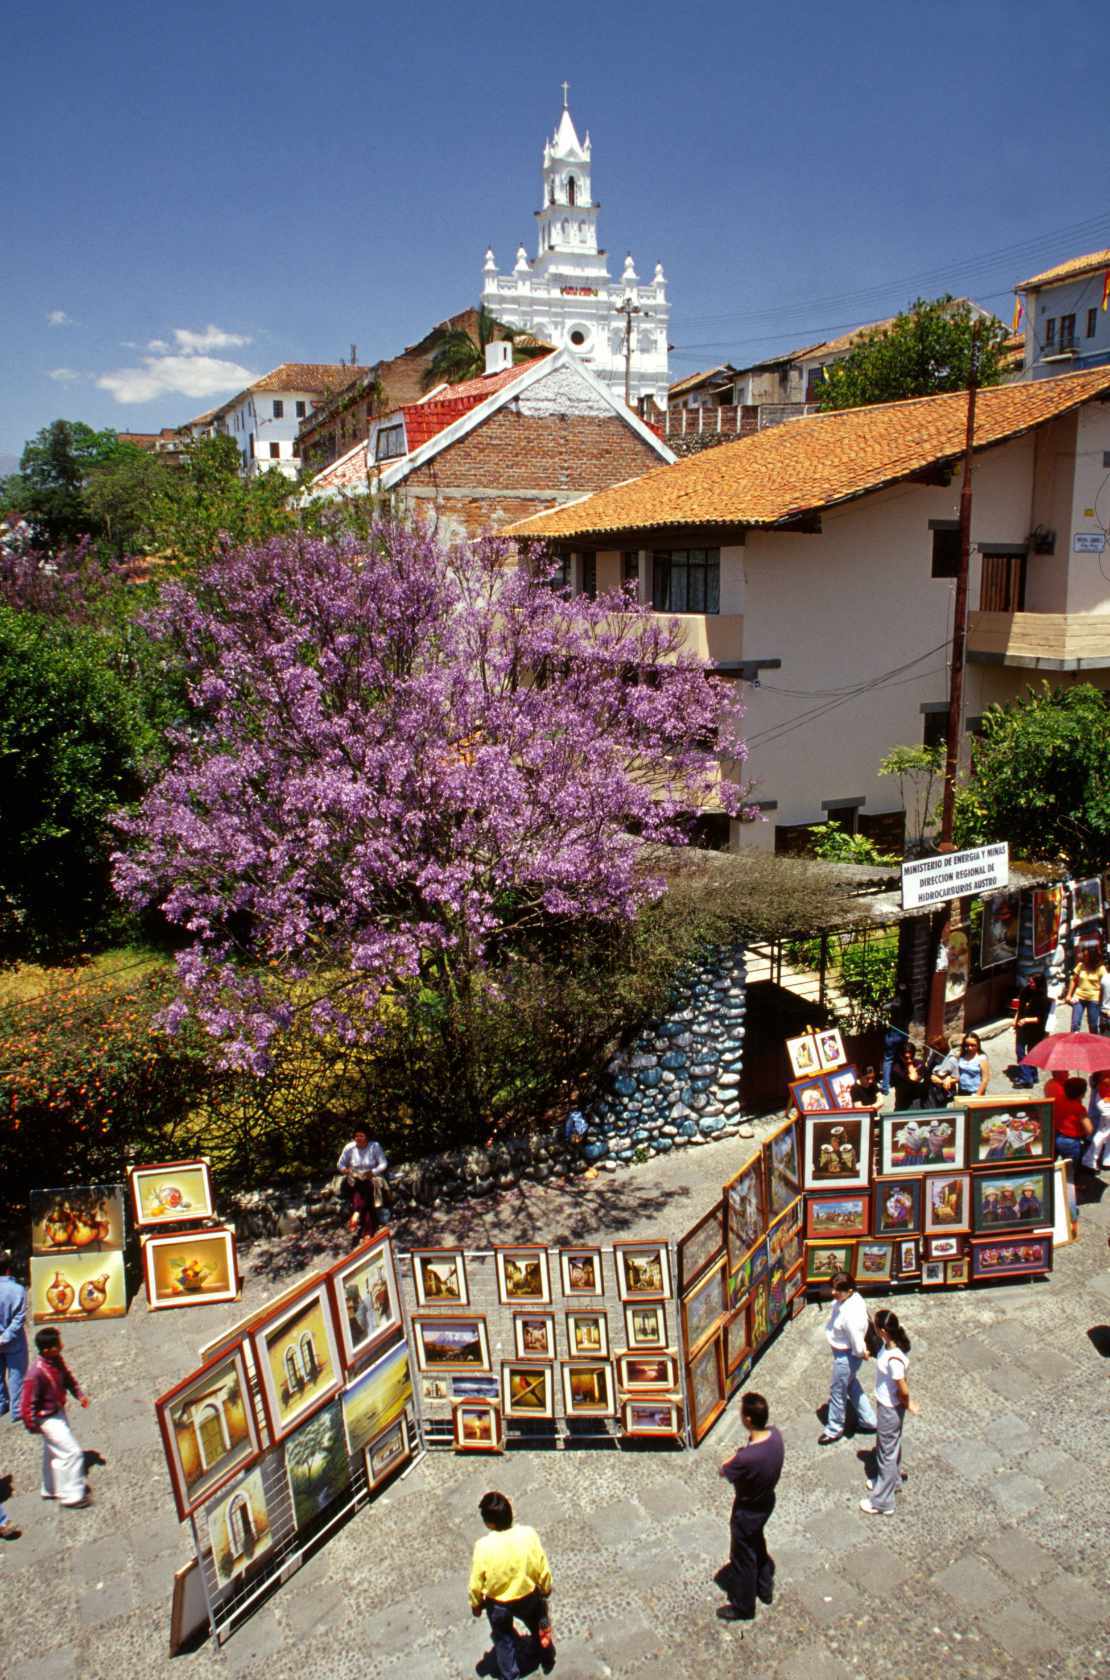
1073	1125
44	1412
13	1337
1031	1013
510	1578
363	1165
892	1402
1084	991
753	1472
1097	1155
846	1333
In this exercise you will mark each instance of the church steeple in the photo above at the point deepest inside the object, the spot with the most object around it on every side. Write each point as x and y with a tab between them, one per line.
568	219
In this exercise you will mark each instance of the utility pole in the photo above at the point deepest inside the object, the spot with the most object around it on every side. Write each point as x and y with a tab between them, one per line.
959	621
628	309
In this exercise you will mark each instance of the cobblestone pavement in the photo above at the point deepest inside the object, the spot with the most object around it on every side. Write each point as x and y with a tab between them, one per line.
995	1565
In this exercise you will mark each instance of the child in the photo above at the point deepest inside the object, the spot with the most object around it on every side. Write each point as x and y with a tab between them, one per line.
43	1410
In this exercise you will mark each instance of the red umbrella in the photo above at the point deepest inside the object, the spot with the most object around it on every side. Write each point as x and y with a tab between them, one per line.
1071	1053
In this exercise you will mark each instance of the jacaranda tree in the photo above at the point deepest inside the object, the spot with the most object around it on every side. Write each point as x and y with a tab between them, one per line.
407	764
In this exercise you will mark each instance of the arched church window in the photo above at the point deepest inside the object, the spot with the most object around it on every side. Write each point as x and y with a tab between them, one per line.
212	1434
551	192
293	1376
240	1525
308	1357
572	190
578	337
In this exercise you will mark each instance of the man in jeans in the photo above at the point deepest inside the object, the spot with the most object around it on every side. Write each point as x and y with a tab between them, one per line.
44	1412
13	1337
510	1577
846	1333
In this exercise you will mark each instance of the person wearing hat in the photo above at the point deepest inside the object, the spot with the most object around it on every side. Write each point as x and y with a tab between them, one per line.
13	1337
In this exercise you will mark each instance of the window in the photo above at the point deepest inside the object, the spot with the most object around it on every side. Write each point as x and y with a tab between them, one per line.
1002	584
687	580
1067	331
815	378
630	567
935	727
560	576
279	409
572	190
946	548
1092	322
250	446
578	336
302	408
275	452
390	443
1050	332
589	576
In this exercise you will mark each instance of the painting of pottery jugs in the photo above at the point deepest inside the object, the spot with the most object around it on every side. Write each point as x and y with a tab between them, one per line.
77	1219
94	1294
61	1294
82	1286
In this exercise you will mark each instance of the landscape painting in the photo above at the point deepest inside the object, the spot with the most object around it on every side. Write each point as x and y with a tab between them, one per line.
376	1397
317	1465
450	1344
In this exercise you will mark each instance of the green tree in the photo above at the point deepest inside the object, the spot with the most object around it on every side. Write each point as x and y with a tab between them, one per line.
53	471
1041	779
122	497
923	351
209	502
461	356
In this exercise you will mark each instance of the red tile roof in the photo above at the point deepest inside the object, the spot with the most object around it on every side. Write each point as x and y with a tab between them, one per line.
1073	269
427	419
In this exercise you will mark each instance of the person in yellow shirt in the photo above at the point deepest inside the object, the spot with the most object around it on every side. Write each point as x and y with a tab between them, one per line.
510	1577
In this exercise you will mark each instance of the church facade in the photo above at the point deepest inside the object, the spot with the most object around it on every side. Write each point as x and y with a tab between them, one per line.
565	295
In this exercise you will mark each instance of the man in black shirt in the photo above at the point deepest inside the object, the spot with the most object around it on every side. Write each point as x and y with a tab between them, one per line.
754	1472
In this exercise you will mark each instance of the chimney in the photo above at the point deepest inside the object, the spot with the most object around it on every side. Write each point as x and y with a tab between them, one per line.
499	355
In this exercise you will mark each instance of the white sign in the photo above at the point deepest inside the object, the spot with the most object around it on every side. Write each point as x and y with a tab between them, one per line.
1089	542
934	880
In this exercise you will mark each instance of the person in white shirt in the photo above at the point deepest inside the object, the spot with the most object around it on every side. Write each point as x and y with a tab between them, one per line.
846	1333
1097	1154
362	1163
892	1399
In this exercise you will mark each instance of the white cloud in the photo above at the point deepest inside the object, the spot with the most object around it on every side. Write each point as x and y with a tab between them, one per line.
59	318
156	344
212	338
63	375
181	376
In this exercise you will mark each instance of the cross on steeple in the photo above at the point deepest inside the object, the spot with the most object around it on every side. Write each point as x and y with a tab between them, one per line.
566	90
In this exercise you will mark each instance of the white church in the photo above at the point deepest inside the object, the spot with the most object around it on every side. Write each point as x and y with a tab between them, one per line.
565	295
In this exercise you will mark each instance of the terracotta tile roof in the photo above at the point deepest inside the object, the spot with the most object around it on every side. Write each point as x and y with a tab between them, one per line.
1073	269
424	420
788	470
693	380
309	376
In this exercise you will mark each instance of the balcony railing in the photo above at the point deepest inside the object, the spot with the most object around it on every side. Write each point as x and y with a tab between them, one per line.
1056	641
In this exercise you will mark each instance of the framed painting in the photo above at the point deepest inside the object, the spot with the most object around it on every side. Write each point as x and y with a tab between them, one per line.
740	1281
82	1219
838	1150
366	1299
588	1389
909	1256
239	1529
439	1277
1086	900
839	1086
450	1344
475	1388
957	1272
803	1054
68	1288
745	1209
523	1278
760	1260
947	1203
736	1337
644	1371
194	1269
317	1466
526	1390
998	942
811	1095
896	1207
776	1293
795	1280
588	1333
874	1262
581	1272
645	1326
932	1274
433	1388
944	1248
922	1140
1013	1201
759	1314
1009	1130
377	1397
208	1429
1047	905
296	1357
387	1454
1005	1257
825	1259
651	1417
534	1335
785	1239
174	1193
643	1271
705	1385
701	1245
704	1306
830	1049
839	1216
782	1168
476	1425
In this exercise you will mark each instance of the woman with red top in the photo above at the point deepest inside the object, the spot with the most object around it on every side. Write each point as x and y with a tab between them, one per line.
1070	1119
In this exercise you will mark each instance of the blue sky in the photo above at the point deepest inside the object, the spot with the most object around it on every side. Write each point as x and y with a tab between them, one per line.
244	187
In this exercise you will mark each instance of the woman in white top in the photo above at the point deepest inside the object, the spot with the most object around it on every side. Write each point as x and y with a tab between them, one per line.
362	1162
1097	1155
892	1402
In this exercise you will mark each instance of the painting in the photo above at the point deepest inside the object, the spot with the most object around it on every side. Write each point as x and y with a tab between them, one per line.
439	1277
1013	1201
736	1338
957	966
874	1262
367	1301
645	1326
1009	1129
704	1306
1086	900
377	1396
759	1315
785	1238
475	1388
643	1271
947	1203
745	1210
317	1465
647	1371
476	1426
830	1049
839	1216
78	1220
999	936
776	1293
296	1356
740	1280
909	1256
588	1389
783	1171
208	1430
958	1271
1009	1257
387	1453
581	1270
896	1207
239	1530
1047	905
922	1140
840	1086
825	1259
944	1248
760	1260
651	1417
534	1335
838	1150
70	1287
932	1274
522	1276
701	1245
434	1388
705	1385
811	1096
803	1055
526	1391
173	1193
191	1270
450	1344
588	1333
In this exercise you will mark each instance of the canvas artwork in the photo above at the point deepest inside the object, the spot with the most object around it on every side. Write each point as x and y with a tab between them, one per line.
705	1382
174	1193
651	1417
377	1397
70	1287
704	1306
838	1216
526	1391
783	1173
645	1326
439	1276
785	1239
643	1270
957	1271
367	1300
957	970
296	1357
759	1317
647	1371
317	1465
740	1280
776	1293
191	1270
999	934
387	1453
477	1426
830	1049
947	1203
239	1531
582	1272
874	1262
838	1150
932	1274
522	1276
79	1220
208	1430
1047	905
1086	900
760	1260
1012	1129
475	1388
945	1248
812	1095
588	1390
588	1334
434	1388
450	1344
744	1209
824	1259
840	1086
920	1141
803	1055
896	1206
1013	1201
1010	1257
736	1338
701	1244
534	1335
909	1256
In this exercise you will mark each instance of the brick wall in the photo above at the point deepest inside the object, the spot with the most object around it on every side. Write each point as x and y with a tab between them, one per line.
557	452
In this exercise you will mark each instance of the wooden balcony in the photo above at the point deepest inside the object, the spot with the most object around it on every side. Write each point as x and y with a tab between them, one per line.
1040	641
716	636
